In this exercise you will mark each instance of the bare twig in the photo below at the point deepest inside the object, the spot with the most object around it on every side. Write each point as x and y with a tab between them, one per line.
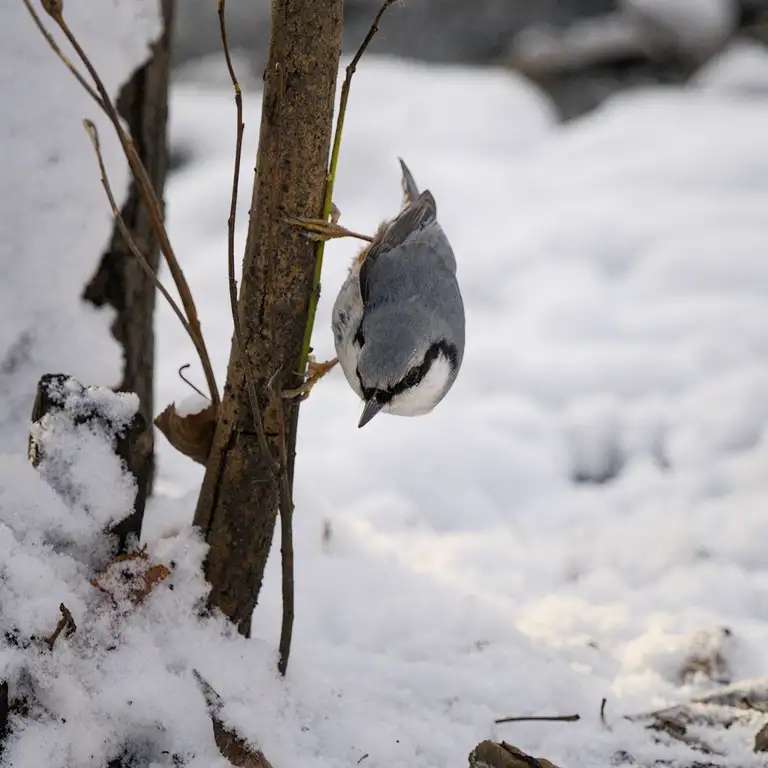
330	180
66	624
187	381
286	501
250	384
284	490
140	175
602	714
93	135
541	719
286	549
67	63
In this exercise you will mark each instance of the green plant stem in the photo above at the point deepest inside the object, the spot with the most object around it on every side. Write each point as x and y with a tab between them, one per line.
330	180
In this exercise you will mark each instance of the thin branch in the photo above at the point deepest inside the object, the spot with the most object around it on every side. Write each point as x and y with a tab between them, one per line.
541	719
286	501
286	548
330	180
284	490
188	382
141	177
249	382
93	135
67	63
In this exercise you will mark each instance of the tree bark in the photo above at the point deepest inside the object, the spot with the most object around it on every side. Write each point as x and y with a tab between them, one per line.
119	280
237	506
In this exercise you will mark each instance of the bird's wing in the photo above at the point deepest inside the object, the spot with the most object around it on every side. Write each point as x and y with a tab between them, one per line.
414	217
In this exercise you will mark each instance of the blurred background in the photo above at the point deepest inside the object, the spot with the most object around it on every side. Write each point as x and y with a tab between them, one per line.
580	51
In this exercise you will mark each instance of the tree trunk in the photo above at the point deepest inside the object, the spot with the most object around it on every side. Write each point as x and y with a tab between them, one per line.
119	281
237	506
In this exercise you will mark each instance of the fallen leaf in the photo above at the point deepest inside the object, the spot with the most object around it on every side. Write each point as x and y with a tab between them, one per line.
492	754
190	434
130	577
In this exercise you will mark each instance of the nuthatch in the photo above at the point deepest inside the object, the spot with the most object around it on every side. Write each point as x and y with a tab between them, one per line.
398	321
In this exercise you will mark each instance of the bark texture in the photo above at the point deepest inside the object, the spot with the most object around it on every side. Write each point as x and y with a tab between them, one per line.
238	501
119	281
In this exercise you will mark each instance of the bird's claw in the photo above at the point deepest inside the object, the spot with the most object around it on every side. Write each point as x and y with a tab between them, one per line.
320	229
315	372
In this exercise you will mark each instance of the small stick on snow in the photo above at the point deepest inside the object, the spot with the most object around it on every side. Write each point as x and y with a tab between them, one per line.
540	719
66	624
602	715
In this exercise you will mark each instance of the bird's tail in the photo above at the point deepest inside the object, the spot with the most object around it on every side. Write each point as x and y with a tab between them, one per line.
410	190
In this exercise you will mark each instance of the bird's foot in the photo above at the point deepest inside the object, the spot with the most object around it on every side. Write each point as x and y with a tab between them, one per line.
315	372
320	229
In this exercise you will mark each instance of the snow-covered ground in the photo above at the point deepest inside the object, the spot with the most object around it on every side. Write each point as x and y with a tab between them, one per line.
615	281
467	565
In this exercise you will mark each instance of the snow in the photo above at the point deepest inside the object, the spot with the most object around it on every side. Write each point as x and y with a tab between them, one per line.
582	515
192	404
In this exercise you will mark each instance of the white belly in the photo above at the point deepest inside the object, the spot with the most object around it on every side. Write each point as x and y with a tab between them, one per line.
346	317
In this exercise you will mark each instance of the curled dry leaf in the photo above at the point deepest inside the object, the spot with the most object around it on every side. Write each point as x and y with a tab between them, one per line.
231	745
130	577
236	749
492	754
191	434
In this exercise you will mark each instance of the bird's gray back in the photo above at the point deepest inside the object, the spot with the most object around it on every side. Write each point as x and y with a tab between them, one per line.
413	290
423	268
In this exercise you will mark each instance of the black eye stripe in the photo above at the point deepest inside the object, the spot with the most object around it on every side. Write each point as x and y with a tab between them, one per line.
415	375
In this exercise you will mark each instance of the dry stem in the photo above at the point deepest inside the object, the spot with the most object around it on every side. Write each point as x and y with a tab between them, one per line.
540	719
143	183
93	135
284	490
250	384
286	549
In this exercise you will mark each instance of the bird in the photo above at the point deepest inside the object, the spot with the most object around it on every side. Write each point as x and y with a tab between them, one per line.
398	320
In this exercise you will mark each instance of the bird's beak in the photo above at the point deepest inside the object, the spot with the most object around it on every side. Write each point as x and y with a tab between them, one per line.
372	407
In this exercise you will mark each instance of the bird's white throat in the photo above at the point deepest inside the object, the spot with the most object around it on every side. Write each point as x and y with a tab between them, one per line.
426	394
